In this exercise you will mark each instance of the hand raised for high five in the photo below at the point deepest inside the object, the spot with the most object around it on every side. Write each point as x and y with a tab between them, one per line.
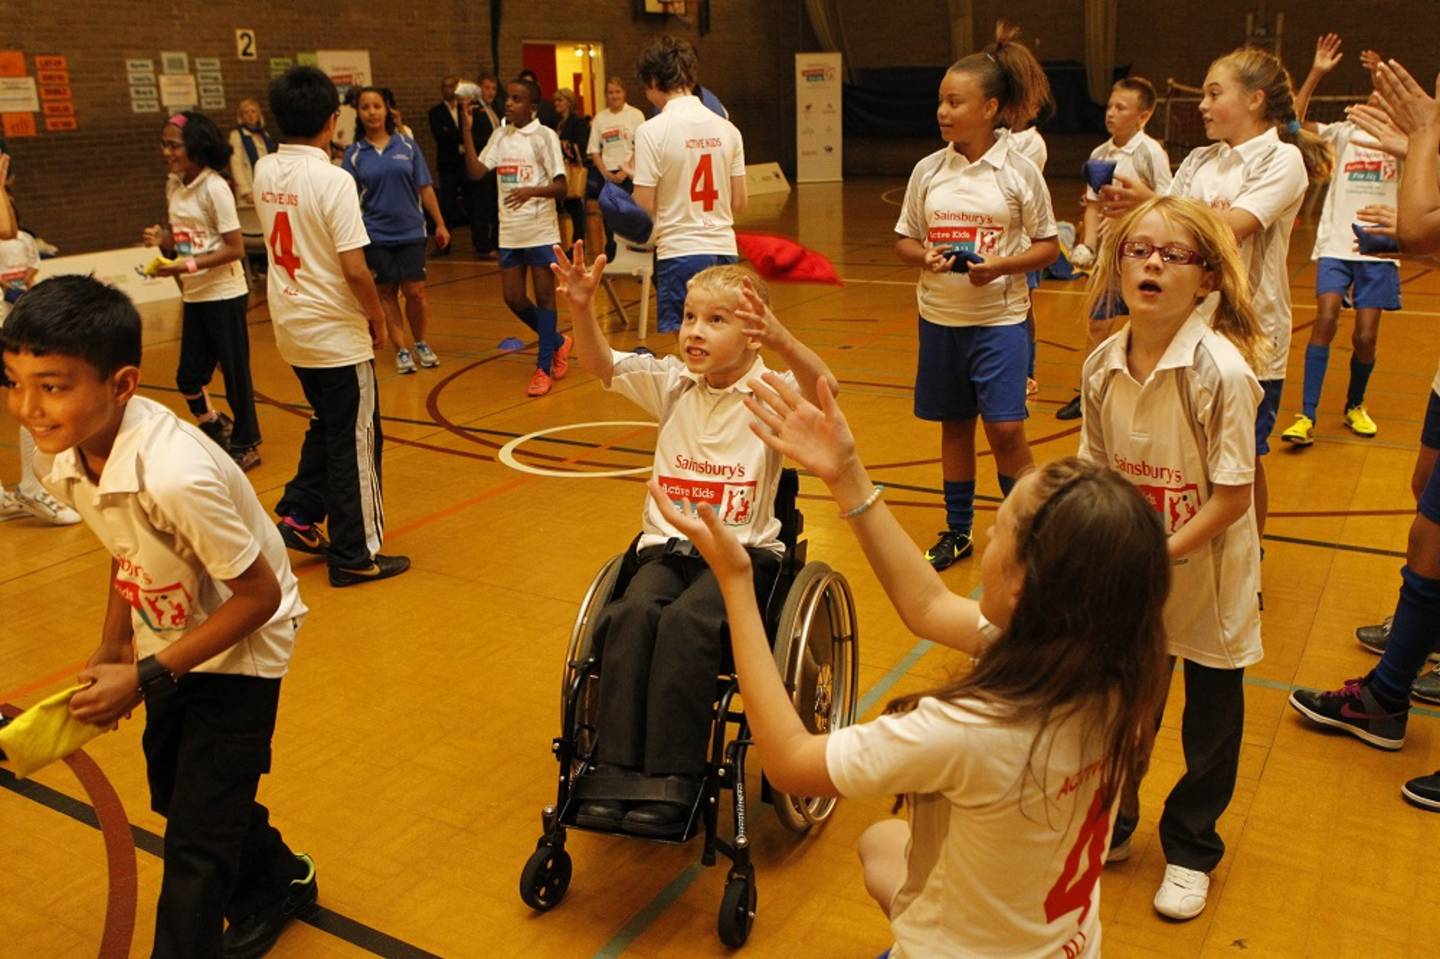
572	280
1327	52
757	319
815	435
722	551
1413	110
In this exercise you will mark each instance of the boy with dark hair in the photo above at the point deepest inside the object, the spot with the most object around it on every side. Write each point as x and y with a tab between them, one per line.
689	176
328	323
201	618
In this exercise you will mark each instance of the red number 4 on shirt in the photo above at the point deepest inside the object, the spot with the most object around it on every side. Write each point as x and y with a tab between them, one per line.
702	184
282	244
1070	893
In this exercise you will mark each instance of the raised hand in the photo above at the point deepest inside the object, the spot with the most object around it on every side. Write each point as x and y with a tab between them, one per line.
815	435
1377	123
1327	52
1369	59
1412	109
572	279
1121	195
756	317
722	551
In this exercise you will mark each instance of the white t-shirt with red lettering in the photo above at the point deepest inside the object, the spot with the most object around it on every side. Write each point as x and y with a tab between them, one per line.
705	451
612	135
1003	861
201	213
688	154
1189	426
1364	175
528	156
310	213
995	206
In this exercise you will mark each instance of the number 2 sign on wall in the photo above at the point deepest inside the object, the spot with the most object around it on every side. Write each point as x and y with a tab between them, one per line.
245	44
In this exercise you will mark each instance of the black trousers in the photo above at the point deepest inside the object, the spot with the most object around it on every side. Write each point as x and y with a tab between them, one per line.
662	645
483	202
338	478
205	751
449	195
1211	730
215	333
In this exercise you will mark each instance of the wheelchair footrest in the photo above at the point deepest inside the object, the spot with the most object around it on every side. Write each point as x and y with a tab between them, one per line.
672	789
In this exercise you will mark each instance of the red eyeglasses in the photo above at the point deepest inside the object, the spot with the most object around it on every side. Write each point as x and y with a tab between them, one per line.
1174	255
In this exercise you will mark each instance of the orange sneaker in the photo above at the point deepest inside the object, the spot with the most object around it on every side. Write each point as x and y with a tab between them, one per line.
539	384
560	362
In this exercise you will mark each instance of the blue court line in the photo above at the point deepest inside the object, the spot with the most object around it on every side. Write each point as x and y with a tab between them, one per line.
1291	687
652	910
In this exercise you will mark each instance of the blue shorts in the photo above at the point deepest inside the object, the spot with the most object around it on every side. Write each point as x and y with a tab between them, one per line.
1370	285
1430	432
671	278
965	371
1109	307
539	256
1032	279
396	262
1265	414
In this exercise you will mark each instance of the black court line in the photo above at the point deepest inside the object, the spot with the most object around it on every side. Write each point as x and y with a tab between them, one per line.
326	920
1326	544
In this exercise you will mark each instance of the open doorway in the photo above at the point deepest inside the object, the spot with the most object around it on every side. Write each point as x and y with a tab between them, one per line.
576	65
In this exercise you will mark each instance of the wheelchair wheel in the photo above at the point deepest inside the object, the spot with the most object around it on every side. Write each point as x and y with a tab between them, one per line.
816	653
737	911
545	878
582	642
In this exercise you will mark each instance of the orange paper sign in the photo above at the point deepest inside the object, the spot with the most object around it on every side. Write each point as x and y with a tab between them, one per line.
12	63
18	124
54	77
50	63
61	123
59	108
56	93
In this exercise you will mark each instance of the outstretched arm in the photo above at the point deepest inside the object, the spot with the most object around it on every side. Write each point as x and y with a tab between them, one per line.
816	436
8	229
762	323
1418	115
578	285
1327	57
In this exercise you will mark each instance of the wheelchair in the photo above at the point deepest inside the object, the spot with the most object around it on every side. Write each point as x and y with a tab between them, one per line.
810	618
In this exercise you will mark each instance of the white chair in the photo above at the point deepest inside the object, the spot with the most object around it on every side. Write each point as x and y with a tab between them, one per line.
633	260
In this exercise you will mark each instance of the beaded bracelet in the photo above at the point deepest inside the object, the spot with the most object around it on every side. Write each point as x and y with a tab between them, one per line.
870	501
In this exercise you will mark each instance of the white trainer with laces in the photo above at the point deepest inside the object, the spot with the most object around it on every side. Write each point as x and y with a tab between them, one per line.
1183	893
41	505
10	505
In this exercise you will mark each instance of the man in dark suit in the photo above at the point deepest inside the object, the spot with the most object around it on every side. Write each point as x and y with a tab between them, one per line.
481	195
449	156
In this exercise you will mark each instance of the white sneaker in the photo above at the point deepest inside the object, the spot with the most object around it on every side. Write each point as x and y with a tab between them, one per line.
42	505
10	505
403	362
1182	895
425	355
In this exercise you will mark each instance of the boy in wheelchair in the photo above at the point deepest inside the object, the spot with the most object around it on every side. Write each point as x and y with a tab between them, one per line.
663	642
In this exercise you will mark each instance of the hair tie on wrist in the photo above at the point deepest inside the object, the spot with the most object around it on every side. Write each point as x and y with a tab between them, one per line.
1293	126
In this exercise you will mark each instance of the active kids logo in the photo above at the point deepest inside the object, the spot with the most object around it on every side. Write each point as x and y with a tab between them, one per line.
1177	504
733	502
1372	167
818	74
515	172
968	238
165	609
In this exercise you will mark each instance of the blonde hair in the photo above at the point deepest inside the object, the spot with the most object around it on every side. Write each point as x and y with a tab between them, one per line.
569	96
1234	319
1258	69
729	278
617	81
240	110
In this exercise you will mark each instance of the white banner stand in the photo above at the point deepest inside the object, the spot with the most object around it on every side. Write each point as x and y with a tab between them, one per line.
818	124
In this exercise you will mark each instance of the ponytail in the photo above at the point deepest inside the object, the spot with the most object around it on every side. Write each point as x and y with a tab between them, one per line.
1258	69
1008	73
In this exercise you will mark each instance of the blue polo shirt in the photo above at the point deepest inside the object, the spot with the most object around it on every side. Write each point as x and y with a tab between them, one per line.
390	181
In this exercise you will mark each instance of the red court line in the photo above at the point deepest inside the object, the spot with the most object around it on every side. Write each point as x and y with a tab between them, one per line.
121	871
69	672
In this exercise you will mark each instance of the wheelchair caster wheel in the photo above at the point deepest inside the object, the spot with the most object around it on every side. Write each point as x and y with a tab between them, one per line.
545	878
737	911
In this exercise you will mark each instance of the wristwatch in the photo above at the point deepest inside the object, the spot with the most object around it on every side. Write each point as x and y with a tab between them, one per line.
156	683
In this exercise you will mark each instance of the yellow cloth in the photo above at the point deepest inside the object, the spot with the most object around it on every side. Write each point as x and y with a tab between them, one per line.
154	266
44	733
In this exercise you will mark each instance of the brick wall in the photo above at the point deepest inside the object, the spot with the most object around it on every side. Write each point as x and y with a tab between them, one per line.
97	186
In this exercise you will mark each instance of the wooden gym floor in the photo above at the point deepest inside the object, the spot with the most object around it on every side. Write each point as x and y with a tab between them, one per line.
412	754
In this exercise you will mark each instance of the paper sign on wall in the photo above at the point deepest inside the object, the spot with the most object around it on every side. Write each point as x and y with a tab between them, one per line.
175	61
178	91
245	44
18	95
345	67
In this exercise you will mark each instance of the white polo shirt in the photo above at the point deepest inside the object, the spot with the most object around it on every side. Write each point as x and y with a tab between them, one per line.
994	207
705	450
310	212
612	135
201	213
528	156
688	153
989	870
1190	425
1142	158
1364	175
180	518
18	256
1265	177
